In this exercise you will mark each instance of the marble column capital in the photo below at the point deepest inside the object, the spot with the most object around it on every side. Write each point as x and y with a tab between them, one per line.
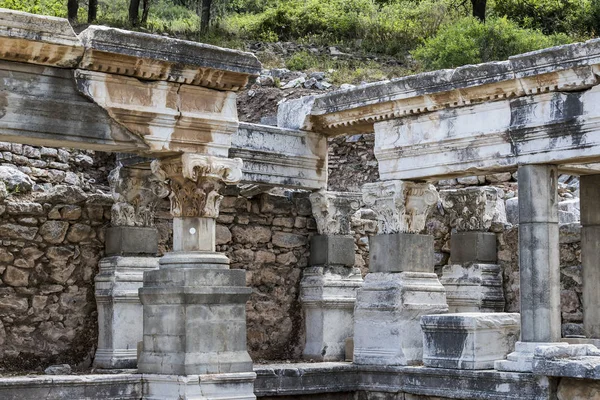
333	211
400	206
194	181
137	193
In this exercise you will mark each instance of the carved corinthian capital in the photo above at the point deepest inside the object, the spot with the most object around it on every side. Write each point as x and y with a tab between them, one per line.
474	208
137	193
195	181
400	206
333	210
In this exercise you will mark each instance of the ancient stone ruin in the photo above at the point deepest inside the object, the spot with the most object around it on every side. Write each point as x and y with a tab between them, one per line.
213	263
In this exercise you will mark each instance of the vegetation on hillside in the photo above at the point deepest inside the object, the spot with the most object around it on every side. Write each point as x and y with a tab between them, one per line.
421	34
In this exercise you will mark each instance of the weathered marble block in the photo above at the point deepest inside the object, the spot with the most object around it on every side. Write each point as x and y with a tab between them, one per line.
389	306
120	310
238	386
473	287
468	340
581	361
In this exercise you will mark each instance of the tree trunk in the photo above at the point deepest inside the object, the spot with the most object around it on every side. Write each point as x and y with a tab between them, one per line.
134	11
146	11
479	9
205	16
92	11
72	8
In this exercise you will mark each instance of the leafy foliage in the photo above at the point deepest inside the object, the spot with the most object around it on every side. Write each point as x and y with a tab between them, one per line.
468	41
57	8
550	16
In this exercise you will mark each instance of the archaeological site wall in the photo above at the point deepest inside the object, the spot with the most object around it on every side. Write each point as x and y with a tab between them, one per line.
56	208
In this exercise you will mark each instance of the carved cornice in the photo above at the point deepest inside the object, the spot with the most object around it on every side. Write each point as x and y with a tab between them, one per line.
400	206
195	181
473	209
333	211
564	68
137	193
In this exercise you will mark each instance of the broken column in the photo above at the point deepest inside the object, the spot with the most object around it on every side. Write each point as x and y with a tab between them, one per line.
329	285
401	285
194	344
590	253
473	279
131	247
538	264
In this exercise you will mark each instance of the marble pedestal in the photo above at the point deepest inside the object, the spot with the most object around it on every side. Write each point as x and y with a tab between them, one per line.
389	306
328	294
194	316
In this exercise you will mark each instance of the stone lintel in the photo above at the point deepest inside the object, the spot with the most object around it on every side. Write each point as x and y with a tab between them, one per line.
473	247
131	240
401	252
562	68
332	250
55	43
154	57
468	340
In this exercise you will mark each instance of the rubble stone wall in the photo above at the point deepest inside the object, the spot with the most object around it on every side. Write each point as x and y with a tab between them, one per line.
54	207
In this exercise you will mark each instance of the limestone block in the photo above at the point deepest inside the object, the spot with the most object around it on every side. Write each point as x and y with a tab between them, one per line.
521	360
575	389
199	387
387	316
120	311
328	296
332	250
401	252
281	156
475	247
581	361
131	240
473	287
468	340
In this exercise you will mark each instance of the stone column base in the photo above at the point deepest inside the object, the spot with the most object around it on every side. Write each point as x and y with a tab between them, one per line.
235	386
521	360
194	316
328	295
389	306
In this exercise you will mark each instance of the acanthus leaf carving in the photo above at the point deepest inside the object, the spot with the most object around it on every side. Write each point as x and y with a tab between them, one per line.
137	193
400	206
333	211
195	181
474	208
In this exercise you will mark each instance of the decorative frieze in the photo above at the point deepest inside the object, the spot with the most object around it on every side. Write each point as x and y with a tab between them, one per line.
400	206
195	181
137	193
333	211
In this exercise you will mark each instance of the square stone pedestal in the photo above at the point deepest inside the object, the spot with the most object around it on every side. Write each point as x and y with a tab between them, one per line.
120	313
194	316
398	291
238	386
468	340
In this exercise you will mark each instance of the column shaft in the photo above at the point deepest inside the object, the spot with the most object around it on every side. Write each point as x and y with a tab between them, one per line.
539	254
590	253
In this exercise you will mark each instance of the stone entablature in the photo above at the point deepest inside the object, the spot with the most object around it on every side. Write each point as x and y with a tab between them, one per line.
569	67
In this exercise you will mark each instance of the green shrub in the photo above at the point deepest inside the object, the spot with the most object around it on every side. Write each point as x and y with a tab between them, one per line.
468	41
573	17
57	8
